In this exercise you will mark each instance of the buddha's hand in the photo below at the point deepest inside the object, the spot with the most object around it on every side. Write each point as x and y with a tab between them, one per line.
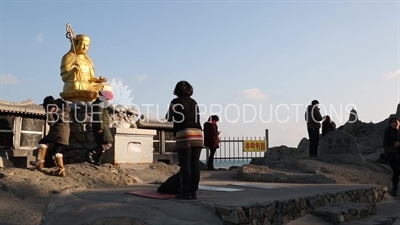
102	79
75	68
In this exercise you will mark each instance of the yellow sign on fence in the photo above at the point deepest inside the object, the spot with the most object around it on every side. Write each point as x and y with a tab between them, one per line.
255	146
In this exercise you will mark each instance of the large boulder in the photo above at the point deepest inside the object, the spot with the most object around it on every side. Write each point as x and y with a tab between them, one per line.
339	146
368	136
283	153
303	145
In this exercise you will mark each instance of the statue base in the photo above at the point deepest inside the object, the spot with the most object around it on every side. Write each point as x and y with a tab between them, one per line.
79	95
130	145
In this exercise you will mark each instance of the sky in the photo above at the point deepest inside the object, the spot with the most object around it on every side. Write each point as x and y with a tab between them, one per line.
256	64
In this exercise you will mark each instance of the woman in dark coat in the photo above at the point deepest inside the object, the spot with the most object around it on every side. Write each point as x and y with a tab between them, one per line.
184	112
328	125
211	139
391	143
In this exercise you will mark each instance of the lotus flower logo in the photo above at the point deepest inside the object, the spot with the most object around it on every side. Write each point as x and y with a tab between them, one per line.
120	104
122	95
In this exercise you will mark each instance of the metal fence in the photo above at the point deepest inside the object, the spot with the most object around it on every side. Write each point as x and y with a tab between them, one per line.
231	149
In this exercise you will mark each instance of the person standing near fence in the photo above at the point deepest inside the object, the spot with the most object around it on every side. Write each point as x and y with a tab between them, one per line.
184	113
211	139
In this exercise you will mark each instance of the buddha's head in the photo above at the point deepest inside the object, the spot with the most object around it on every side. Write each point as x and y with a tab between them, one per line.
82	43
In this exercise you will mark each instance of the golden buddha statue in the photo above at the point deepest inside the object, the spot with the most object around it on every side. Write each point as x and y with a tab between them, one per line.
77	72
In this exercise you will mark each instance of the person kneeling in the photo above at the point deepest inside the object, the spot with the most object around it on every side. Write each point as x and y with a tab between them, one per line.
58	115
101	127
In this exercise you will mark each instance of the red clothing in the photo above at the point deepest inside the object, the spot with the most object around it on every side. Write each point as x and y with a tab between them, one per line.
211	133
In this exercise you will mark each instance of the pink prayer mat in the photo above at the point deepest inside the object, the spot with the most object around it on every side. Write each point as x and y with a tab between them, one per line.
151	194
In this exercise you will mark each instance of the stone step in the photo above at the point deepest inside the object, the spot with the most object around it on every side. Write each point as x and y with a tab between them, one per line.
388	213
360	202
345	212
372	220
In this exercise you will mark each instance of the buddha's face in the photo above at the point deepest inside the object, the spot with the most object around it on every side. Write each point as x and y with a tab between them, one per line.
82	47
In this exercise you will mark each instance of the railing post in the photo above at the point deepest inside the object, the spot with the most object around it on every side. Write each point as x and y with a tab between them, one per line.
162	142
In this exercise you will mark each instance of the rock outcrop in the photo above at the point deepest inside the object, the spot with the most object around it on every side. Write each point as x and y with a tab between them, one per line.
266	174
368	137
339	146
317	171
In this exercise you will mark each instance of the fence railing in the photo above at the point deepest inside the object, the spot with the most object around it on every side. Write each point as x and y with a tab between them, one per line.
231	149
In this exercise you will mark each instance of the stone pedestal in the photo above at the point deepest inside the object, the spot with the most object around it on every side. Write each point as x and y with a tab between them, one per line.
81	136
131	146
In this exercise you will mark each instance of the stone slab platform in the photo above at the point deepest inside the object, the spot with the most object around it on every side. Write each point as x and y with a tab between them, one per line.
277	204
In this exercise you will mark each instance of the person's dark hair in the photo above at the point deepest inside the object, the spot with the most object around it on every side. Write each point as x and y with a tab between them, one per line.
60	103
314	102
327	119
48	100
393	119
213	117
183	88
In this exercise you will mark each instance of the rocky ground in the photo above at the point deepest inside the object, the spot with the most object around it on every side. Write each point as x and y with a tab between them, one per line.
24	193
317	171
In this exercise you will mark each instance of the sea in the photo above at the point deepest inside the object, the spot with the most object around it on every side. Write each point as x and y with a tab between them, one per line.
226	164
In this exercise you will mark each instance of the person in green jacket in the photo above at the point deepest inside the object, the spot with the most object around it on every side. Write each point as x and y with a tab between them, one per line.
101	127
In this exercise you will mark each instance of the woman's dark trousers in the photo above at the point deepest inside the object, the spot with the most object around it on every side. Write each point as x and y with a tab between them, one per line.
313	134
190	169
210	162
395	165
